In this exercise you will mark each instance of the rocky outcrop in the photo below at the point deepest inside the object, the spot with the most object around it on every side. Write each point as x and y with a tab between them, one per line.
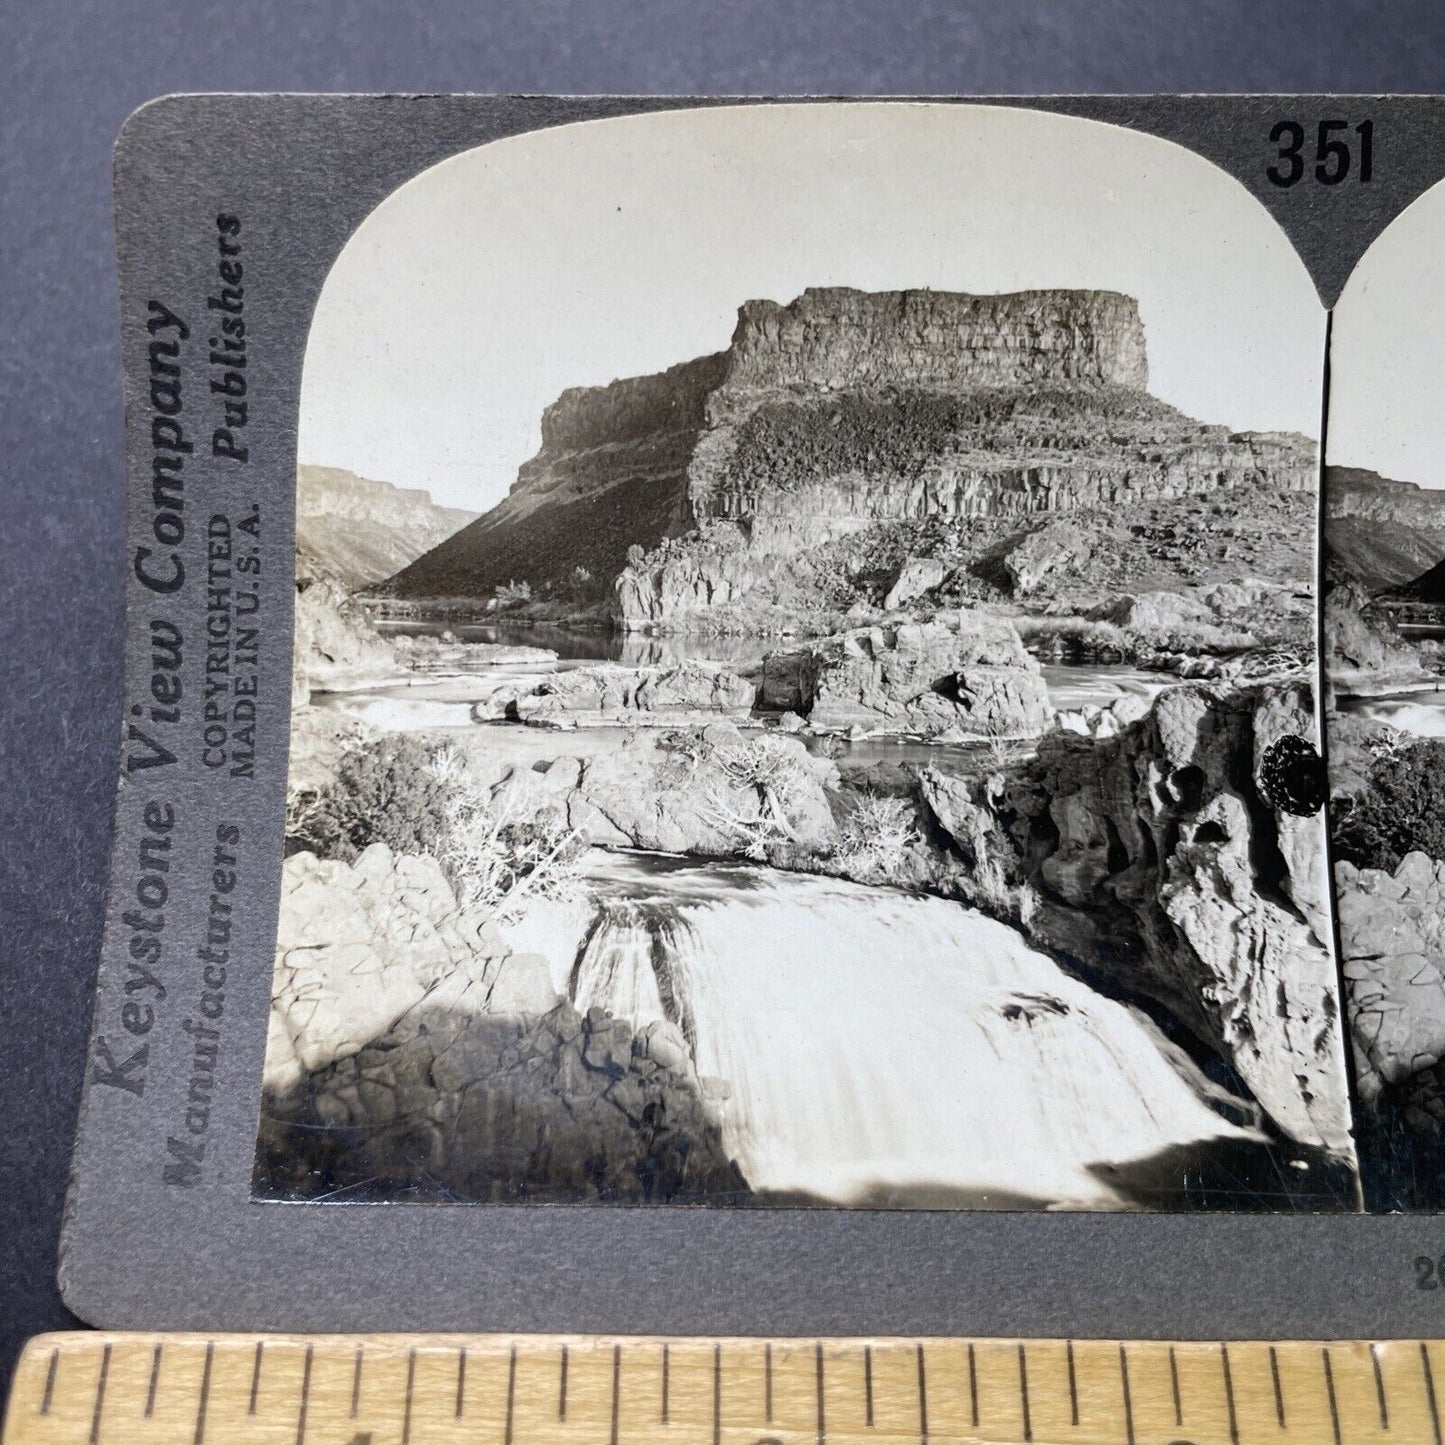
335	646
362	531
917	576
839	412
415	1051
965	677
714	791
1153	613
359	946
854	340
1360	645
653	695
1154	861
1392	937
560	1108
610	477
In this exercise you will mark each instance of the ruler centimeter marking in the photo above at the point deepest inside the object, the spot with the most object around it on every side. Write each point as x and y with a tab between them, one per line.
133	1389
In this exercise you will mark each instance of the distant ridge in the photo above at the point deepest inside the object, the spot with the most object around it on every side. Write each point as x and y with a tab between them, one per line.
361	531
1388	533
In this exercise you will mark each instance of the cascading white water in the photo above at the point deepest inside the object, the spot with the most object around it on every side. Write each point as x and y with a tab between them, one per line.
1420	711
882	1045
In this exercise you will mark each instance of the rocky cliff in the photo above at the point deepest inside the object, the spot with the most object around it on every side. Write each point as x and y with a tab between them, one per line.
1385	532
362	531
717	482
1155	861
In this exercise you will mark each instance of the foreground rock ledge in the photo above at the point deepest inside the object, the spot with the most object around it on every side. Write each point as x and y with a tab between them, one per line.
1153	860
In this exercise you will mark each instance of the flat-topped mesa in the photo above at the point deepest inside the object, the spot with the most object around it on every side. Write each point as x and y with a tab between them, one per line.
840	413
841	339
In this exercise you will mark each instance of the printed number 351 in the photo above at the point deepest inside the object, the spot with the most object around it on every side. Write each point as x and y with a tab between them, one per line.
1333	156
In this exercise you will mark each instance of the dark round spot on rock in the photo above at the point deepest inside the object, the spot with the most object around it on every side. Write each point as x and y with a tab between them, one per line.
1292	776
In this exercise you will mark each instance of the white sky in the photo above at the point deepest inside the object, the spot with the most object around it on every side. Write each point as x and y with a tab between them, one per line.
1387	352
481	289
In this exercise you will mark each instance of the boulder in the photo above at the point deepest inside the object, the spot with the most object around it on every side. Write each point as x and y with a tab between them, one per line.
916	576
1392	938
969	678
1055	547
657	693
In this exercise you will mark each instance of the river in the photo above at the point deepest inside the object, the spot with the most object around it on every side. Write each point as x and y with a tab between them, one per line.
878	1047
443	698
1418	709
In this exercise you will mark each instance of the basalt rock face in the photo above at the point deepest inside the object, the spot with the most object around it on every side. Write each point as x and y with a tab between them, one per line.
1385	532
611	474
1153	860
409	1041
711	484
559	1107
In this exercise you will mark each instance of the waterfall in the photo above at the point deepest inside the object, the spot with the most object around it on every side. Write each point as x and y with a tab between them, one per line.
880	1046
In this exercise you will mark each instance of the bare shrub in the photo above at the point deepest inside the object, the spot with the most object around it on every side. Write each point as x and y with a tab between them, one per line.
419	798
877	837
756	790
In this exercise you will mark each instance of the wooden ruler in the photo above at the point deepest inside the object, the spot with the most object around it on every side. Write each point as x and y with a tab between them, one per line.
136	1389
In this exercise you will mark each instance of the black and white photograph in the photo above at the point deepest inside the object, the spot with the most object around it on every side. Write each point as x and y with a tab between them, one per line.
804	682
1384	627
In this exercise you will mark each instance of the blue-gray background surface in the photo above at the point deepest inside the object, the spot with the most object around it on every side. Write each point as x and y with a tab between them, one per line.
71	72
